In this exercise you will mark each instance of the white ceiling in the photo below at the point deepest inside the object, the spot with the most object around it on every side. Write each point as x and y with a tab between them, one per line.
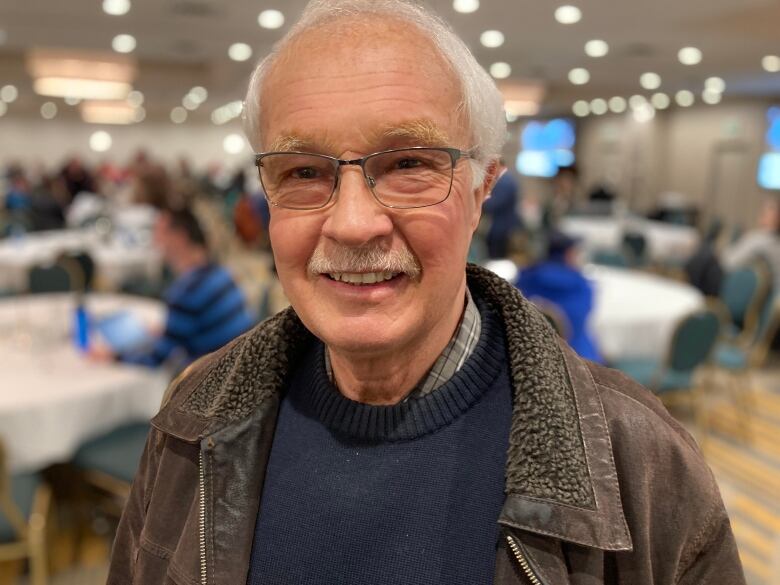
182	43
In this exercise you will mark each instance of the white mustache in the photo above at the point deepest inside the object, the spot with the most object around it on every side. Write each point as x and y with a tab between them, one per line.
363	259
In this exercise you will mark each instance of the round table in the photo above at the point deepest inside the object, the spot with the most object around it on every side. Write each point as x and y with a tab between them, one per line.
635	313
53	398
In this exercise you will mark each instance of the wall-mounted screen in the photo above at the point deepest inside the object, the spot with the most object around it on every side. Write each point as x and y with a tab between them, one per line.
545	146
769	165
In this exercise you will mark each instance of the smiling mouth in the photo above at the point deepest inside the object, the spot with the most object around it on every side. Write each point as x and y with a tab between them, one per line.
362	278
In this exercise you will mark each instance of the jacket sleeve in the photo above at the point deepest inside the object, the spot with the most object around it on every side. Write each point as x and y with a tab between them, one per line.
128	537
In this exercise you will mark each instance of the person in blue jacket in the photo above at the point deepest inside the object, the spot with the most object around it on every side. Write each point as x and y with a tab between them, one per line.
558	280
501	207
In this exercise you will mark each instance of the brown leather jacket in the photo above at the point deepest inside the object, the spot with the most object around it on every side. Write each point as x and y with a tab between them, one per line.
602	485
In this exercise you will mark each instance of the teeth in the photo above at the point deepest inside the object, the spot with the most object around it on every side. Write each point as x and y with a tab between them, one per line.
362	277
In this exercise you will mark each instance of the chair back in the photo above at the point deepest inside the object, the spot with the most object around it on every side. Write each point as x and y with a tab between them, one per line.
693	340
614	258
57	277
9	511
635	245
740	290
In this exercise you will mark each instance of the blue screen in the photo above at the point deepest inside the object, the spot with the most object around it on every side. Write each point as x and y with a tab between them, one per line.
769	165
545	147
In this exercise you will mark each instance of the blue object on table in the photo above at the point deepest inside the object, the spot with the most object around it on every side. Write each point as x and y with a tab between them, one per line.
124	332
81	327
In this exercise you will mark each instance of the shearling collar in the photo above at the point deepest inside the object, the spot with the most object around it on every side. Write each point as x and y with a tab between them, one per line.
560	478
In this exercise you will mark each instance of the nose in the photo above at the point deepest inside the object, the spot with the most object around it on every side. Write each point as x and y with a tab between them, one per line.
356	218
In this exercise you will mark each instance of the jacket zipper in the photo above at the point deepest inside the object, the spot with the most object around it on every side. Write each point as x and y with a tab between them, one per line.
522	561
202	518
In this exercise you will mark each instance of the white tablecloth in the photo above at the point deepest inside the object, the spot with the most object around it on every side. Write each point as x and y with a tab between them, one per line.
665	241
51	398
636	313
117	258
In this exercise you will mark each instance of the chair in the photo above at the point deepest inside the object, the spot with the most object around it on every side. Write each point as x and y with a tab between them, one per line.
692	344
743	292
613	258
635	248
24	508
82	266
51	278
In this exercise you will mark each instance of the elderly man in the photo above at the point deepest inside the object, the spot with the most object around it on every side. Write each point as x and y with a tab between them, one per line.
409	419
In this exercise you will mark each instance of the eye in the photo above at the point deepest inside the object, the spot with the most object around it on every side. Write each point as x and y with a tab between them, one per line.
409	163
305	173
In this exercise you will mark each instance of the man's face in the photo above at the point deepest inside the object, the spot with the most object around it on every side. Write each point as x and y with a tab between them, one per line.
348	95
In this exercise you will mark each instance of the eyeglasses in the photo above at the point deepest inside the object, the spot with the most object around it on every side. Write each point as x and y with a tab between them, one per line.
402	178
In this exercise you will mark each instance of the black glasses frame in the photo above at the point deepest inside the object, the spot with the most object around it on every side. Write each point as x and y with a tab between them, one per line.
455	155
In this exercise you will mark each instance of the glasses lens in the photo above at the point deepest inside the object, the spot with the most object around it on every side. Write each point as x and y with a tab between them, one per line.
297	181
417	177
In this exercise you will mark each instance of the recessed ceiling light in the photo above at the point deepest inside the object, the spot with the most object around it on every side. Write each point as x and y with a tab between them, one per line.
240	51
568	14
139	115
492	38
771	63
100	141
189	102
660	101
711	96
178	115
596	48
689	56
650	80
3	109
135	98
465	6
199	94
511	117
48	110
598	106
617	104
123	43
644	114
684	98
270	19
9	93
715	84
500	70
234	144
637	101
116	7
579	76
72	101
581	108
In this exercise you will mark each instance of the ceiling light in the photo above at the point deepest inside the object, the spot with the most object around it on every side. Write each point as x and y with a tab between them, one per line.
581	108
100	141
596	48
617	104
510	117
48	110
234	144
568	14
239	51
715	84
644	114
3	109
270	19
80	74
500	70
189	102
140	114
229	111
598	106
521	107
8	94
123	43
135	98
492	38
689	56
684	98
107	112
81	88
199	94
465	6
72	101
660	101
178	115
579	76
116	7
650	80
711	96
771	63
637	101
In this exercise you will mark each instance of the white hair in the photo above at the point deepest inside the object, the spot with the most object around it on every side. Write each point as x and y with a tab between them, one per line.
481	102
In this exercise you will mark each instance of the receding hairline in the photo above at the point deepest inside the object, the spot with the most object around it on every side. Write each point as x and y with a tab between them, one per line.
418	132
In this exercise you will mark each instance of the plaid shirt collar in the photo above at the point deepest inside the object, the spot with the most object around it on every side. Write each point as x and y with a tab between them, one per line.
451	358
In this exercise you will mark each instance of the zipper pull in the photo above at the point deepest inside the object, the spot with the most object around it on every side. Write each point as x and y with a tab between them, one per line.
522	560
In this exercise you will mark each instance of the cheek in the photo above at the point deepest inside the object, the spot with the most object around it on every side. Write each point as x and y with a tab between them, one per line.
293	239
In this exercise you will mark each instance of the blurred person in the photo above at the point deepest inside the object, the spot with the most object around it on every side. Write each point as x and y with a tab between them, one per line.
18	199
501	207
151	185
564	196
763	242
76	178
559	280
205	308
409	419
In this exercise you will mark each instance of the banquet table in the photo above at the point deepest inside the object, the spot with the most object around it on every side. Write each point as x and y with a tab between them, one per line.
52	398
665	241
635	313
118	257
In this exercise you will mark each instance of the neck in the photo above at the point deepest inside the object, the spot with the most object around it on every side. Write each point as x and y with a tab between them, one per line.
387	377
189	259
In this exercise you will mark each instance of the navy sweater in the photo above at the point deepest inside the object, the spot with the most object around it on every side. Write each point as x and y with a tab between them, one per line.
411	493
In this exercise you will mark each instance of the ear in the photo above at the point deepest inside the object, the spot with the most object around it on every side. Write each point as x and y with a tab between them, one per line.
492	172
